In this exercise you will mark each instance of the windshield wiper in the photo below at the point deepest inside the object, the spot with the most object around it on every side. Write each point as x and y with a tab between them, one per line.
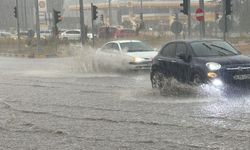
210	48
223	48
207	46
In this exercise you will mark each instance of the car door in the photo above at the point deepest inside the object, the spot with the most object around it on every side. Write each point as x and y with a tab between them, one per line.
167	59
182	65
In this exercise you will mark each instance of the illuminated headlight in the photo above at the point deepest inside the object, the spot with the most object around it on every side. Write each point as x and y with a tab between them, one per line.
137	59
217	82
211	75
212	66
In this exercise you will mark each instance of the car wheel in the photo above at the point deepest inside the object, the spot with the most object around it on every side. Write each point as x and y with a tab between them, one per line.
157	80
197	79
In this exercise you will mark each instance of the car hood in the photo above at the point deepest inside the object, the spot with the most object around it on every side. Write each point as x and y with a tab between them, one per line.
228	60
145	54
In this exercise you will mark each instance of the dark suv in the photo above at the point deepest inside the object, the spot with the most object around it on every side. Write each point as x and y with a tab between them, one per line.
200	61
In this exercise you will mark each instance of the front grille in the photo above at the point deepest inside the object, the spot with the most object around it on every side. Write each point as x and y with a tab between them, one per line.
235	73
238	68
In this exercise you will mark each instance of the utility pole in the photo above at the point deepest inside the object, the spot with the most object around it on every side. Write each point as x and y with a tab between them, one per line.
227	5
17	22
110	14
141	14
225	20
202	23
37	26
176	19
25	15
93	17
82	22
92	24
187	11
189	18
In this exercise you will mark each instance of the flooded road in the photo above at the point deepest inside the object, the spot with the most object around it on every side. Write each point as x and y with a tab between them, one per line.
50	104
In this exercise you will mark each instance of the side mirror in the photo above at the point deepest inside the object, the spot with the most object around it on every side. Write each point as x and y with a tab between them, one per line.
186	58
182	56
189	58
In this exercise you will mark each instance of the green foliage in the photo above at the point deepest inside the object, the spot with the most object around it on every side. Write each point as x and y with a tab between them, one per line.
127	24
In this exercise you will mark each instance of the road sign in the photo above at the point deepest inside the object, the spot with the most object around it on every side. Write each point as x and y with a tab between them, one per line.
42	4
176	27
199	14
222	24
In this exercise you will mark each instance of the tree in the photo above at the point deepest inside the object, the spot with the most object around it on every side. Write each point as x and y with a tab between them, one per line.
244	16
127	24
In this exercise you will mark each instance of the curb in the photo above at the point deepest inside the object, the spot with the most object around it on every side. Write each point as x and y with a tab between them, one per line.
27	55
15	55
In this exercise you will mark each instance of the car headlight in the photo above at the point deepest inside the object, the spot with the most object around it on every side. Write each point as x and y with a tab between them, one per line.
217	82
213	66
137	59
212	75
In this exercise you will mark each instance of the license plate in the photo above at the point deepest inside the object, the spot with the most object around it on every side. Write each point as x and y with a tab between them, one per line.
242	77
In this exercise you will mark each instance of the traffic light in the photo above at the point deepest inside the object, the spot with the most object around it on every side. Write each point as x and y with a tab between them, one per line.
15	12
228	7
185	7
57	16
141	16
101	17
94	12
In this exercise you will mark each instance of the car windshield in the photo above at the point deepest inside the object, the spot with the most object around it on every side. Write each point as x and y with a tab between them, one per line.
213	49
135	47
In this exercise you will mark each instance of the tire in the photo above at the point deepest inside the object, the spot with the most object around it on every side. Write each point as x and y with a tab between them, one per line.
197	79
157	80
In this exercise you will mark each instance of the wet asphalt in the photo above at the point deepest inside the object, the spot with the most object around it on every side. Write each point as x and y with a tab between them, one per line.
54	104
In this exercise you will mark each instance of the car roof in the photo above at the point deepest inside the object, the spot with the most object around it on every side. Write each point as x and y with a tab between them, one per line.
124	41
195	40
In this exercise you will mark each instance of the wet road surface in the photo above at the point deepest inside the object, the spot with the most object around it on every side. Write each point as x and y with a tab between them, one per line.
50	104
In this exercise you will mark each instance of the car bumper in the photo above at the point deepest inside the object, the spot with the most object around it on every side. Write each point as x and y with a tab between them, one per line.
140	66
235	78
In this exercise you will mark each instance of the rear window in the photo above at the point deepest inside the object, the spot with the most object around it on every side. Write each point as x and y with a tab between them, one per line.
73	32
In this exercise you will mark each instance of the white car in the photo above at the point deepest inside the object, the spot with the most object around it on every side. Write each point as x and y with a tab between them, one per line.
46	34
74	35
90	36
124	55
4	34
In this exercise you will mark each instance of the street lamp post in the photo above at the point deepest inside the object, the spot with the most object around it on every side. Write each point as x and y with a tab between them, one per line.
18	27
